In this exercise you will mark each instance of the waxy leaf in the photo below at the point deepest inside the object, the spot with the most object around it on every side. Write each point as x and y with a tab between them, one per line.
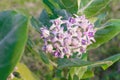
75	62
44	18
70	5
107	32
92	7
13	37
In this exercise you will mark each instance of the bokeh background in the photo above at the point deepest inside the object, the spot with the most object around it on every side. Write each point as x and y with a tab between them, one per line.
46	72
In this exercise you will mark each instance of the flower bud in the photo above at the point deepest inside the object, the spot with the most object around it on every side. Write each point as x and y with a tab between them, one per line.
72	20
49	48
44	33
75	42
56	53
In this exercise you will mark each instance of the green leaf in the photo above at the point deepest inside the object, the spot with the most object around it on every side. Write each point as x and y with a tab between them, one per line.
92	7
88	74
58	73
100	19
70	5
62	12
113	58
109	30
13	37
25	73
51	5
44	18
54	3
72	72
84	56
75	62
81	71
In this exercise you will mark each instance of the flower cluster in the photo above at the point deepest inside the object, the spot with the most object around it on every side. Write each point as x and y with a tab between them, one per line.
66	37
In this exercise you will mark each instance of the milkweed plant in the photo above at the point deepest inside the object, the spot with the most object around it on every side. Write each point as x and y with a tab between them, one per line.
67	30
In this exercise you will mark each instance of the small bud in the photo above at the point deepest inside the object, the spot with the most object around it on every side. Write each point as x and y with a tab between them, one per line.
49	48
56	53
44	32
90	34
84	42
56	45
75	41
72	20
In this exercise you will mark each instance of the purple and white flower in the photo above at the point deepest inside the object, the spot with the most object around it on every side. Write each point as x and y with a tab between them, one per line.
78	35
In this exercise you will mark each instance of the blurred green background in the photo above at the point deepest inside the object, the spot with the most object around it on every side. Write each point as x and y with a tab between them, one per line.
43	71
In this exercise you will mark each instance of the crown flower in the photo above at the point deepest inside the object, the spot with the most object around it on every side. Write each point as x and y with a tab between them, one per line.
66	37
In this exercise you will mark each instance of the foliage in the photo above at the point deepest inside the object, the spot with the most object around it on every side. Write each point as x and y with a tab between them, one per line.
12	43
